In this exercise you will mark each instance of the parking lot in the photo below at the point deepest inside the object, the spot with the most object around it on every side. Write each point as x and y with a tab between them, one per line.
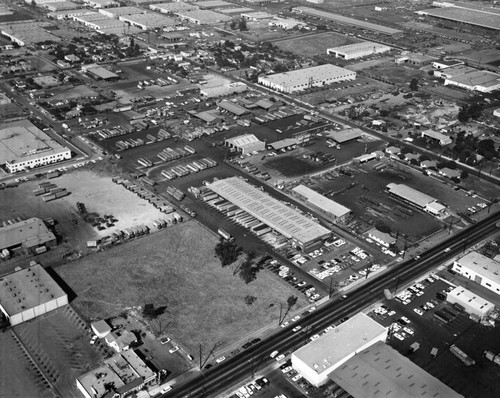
418	314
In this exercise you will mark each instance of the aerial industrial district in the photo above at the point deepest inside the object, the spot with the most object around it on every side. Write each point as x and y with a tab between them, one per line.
235	198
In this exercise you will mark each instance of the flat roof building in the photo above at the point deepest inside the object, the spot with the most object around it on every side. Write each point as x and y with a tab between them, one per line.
203	17
480	269
24	146
348	21
380	371
318	359
302	79
28	33
476	17
172	8
26	234
257	15
29	293
380	237
471	302
287	221
149	21
322	204
358	50
244	144
443	139
479	80
117	12
417	198
213	4
223	89
233	108
346	135
446	63
99	72
101	3
120	376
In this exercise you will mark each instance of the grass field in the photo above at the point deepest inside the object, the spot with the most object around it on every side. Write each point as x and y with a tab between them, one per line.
176	268
309	46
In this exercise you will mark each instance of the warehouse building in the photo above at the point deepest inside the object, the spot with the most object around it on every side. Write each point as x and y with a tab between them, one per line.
117	12
245	144
101	3
98	72
223	89
453	71
60	6
479	80
213	4
471	302
340	19
203	17
25	34
302	79
347	135
442	139
480	269
29	293
381	238
230	107
321	204
172	8
446	63
285	220
99	22
24	146
318	359
256	15
27	234
120	376
149	21
381	371
358	50
417	198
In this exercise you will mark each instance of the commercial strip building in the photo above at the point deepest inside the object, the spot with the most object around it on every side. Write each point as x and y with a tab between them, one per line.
24	146
480	269
285	220
471	302
245	144
27	234
120	376
381	371
484	17
302	79
417	198
318	359
321	204
478	80
348	21
358	50
29	293
443	139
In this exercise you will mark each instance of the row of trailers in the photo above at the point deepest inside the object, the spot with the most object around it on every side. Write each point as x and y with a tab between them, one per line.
190	168
241	217
168	155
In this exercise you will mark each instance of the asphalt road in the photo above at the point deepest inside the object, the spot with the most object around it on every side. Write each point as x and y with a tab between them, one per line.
245	364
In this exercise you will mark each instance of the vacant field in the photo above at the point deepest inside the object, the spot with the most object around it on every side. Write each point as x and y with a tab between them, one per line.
176	268
317	44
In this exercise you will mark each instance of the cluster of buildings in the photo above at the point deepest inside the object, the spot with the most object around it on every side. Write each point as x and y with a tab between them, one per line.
303	79
354	356
321	204
24	146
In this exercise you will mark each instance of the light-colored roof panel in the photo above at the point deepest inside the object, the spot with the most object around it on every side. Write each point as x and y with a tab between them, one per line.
337	344
322	202
287	221
359	47
482	265
380	371
471	299
473	17
419	198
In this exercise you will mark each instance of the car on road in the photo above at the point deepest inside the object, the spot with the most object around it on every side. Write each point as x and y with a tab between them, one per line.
273	354
165	340
285	324
314	337
174	349
296	377
296	328
221	359
280	357
255	341
296	318
287	369
246	345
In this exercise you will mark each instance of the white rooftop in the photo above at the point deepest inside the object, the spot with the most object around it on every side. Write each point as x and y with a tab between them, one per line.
357	47
287	221
419	198
381	372
243	140
472	299
321	201
482	265
339	343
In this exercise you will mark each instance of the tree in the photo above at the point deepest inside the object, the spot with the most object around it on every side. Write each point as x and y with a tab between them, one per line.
150	312
464	174
243	25
414	84
227	251
249	300
290	302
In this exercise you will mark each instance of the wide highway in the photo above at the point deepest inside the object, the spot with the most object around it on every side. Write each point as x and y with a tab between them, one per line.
223	376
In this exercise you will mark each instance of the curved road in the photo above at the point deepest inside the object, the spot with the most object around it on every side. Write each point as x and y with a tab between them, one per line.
244	365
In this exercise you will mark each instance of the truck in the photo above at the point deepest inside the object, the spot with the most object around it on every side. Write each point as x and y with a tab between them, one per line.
468	361
224	234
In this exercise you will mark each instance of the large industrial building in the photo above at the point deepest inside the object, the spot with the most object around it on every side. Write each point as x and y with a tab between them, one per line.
318	359
380	371
463	13
358	50
29	293
479	80
28	33
120	376
149	21
322	204
245	144
480	269
27	234
174	7
24	146
223	89
471	302
302	79
340	19
203	17
417	198
287	221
